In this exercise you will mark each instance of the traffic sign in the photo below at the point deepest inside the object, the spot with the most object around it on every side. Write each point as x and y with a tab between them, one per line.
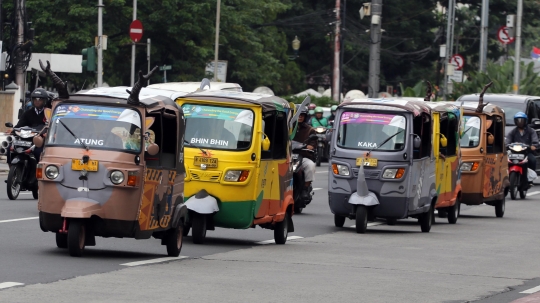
165	67
136	31
504	36
458	61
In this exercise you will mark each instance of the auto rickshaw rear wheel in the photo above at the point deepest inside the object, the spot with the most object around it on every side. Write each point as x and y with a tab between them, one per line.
281	230
61	240
35	193
361	219
76	238
174	241
453	212
339	221
426	220
186	229
500	206
198	228
442	213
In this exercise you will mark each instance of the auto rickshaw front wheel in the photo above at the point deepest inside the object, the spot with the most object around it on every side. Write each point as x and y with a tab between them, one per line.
61	240
426	219
500	206
76	238
198	228
339	221
174	241
361	219
281	230
453	212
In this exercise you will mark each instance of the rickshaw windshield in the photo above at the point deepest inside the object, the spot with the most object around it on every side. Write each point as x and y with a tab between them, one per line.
471	133
97	127
218	127
367	130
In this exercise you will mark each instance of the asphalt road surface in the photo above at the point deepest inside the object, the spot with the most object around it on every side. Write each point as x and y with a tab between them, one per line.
481	258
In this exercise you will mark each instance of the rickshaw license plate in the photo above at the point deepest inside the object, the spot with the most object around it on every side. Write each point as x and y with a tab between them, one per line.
366	161
209	162
91	165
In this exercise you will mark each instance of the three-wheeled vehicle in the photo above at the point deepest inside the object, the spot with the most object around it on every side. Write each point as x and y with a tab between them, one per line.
238	162
381	163
484	167
112	166
446	131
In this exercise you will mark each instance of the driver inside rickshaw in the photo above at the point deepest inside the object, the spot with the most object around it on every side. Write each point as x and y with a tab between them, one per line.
101	131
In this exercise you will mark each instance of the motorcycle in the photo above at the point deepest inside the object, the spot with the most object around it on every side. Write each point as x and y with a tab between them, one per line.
517	169
299	182
322	145
21	176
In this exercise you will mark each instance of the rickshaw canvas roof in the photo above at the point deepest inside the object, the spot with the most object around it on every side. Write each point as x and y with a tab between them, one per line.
416	107
267	102
489	109
152	98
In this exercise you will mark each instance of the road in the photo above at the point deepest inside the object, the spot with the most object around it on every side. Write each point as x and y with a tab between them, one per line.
481	258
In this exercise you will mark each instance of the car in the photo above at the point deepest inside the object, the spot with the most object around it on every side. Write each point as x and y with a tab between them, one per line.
512	104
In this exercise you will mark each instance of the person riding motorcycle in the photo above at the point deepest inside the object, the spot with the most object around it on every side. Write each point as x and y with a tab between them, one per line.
332	117
302	135
311	112
318	120
526	135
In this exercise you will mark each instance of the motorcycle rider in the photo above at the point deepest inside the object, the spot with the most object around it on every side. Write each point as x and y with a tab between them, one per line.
525	134
332	117
311	112
318	120
302	135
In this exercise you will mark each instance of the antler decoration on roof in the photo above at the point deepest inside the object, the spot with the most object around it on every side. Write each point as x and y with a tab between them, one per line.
481	104
428	92
60	85
136	89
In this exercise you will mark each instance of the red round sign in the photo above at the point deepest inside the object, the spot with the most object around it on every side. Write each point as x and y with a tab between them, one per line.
136	31
503	35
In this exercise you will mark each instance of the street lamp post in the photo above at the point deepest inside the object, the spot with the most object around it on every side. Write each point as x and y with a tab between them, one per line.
295	46
216	50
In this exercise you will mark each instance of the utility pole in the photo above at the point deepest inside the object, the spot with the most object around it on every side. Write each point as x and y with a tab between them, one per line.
19	71
147	56
216	47
517	63
337	40
133	47
375	49
100	45
484	35
449	40
342	50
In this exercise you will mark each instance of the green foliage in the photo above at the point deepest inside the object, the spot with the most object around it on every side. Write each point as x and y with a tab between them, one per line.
502	77
319	101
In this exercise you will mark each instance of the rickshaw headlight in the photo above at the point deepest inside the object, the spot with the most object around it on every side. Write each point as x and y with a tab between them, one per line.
51	172
469	166
117	177
236	175
342	170
393	173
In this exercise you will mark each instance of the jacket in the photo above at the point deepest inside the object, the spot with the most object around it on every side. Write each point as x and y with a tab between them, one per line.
302	135
31	118
529	136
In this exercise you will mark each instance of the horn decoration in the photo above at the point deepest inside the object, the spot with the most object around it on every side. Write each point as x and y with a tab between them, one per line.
60	85
481	104
428	92
136	89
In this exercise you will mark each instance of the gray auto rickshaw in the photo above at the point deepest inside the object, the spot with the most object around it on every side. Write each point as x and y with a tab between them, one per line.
382	162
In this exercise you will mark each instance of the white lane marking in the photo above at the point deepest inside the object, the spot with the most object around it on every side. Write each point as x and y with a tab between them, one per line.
533	193
321	172
272	241
317	188
9	284
371	224
25	193
531	290
21	219
151	261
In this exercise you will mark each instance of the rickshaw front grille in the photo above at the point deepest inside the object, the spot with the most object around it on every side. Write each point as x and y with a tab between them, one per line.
370	174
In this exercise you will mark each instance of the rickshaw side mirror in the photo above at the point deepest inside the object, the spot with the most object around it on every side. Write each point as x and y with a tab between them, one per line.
38	141
444	141
265	143
417	142
490	139
153	149
9	124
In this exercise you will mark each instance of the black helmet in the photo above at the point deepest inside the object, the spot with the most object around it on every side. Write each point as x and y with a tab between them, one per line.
40	93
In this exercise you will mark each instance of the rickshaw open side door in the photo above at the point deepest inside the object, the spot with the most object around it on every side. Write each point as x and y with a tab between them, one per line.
423	166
